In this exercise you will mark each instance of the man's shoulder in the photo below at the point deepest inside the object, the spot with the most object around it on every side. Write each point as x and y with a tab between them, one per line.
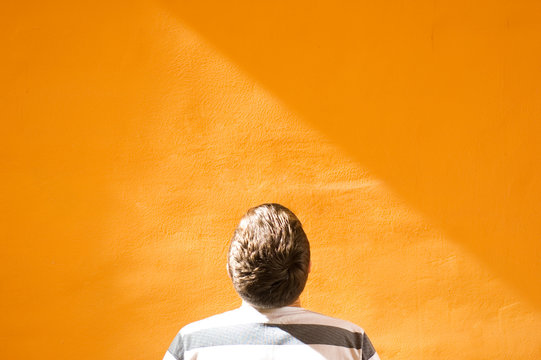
218	320
287	315
306	316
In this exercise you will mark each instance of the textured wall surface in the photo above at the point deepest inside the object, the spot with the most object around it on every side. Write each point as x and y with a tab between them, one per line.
404	136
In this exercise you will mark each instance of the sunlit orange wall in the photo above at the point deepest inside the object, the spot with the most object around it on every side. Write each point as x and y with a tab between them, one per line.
405	135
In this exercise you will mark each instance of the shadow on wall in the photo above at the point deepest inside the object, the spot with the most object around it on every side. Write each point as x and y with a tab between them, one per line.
439	101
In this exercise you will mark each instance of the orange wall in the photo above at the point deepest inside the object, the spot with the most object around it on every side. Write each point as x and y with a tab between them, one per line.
404	136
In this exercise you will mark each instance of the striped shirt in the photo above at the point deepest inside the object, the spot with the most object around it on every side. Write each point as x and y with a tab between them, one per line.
281	333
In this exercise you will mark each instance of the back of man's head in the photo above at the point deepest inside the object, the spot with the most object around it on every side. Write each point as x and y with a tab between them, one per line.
269	257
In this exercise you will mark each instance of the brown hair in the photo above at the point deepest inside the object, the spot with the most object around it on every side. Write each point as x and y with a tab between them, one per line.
269	257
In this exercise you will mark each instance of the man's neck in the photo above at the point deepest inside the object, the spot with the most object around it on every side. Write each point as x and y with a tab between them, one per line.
296	303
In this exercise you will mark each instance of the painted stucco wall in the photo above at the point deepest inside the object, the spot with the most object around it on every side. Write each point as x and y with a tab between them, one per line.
405	136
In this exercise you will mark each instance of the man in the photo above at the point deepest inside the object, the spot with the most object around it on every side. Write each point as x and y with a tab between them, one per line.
269	262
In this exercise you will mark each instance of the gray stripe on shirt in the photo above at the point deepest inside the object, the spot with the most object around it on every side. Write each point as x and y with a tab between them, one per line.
276	334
